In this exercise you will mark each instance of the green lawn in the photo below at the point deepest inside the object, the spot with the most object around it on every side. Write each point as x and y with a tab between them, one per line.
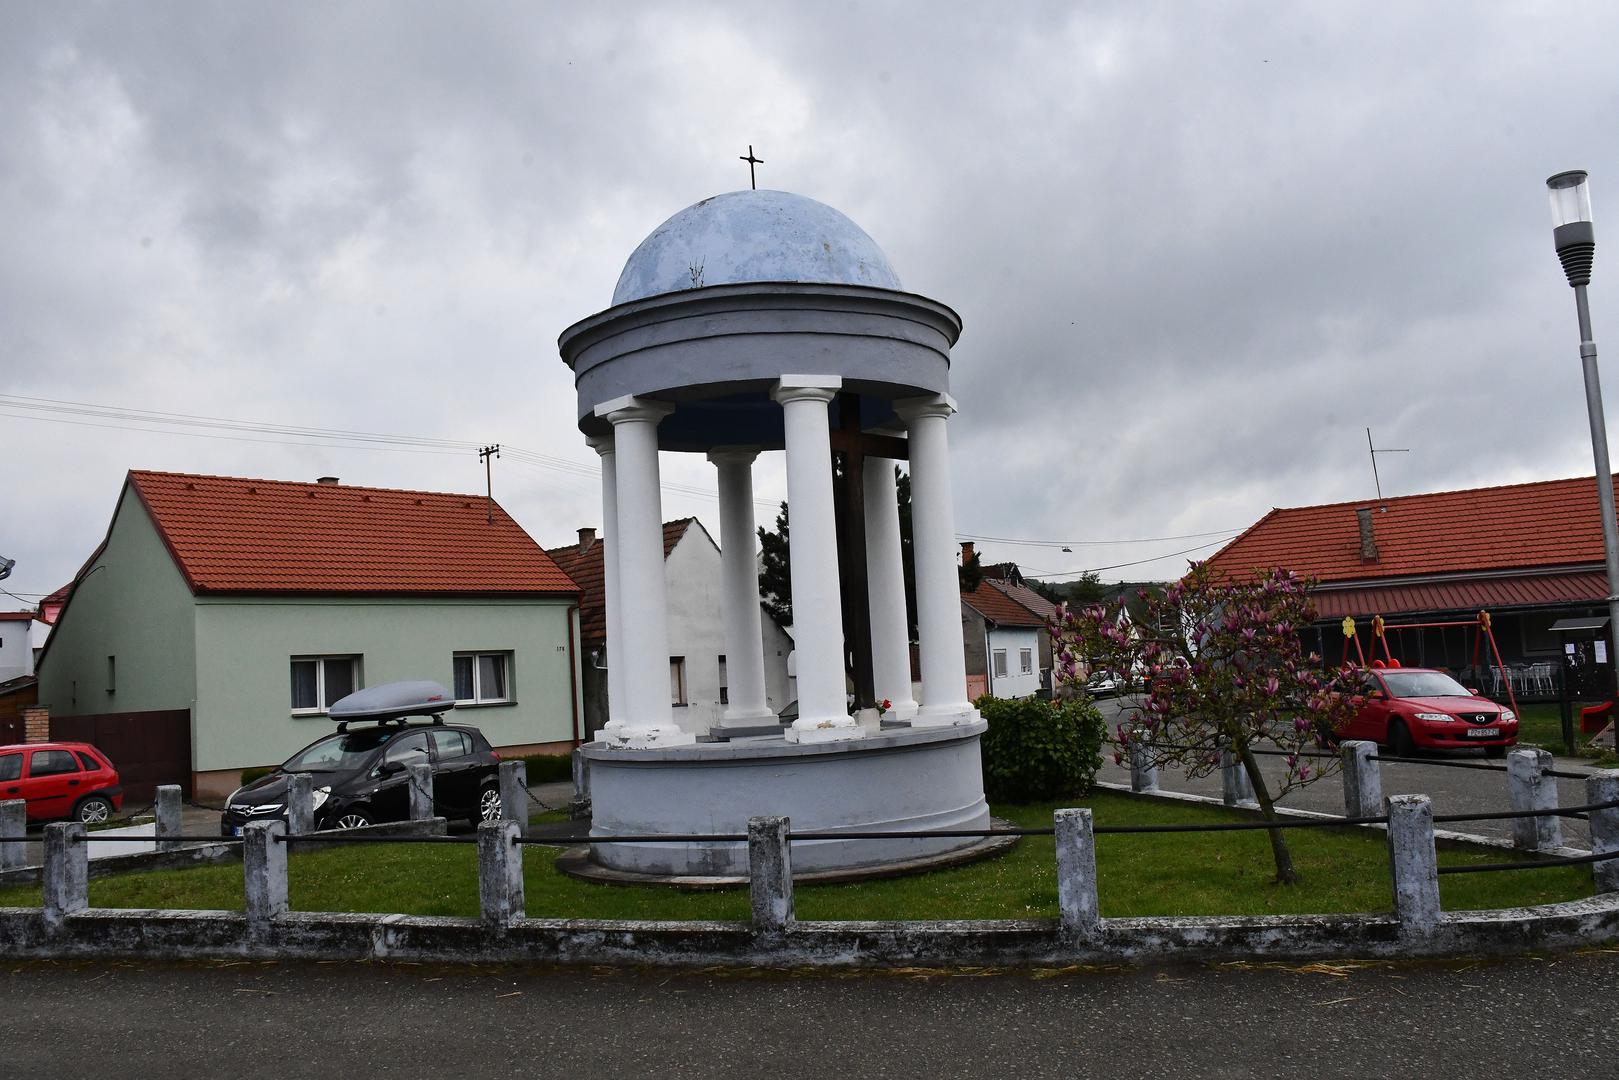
1341	870
1541	724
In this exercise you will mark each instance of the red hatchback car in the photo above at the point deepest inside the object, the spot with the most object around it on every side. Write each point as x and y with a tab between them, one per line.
1407	708
61	780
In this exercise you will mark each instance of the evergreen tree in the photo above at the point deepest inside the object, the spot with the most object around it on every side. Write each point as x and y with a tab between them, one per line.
775	582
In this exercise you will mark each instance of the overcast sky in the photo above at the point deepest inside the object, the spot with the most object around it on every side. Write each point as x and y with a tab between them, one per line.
1198	249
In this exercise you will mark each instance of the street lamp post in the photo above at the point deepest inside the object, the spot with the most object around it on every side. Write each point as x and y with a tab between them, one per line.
1576	248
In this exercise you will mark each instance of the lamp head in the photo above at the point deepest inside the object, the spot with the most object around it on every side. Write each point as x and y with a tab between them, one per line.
1572	230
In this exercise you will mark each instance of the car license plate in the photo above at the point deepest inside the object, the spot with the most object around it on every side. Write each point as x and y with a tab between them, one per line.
1483	732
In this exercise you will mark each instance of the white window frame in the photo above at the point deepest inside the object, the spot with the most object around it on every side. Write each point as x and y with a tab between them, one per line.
478	697
998	663
320	663
1026	661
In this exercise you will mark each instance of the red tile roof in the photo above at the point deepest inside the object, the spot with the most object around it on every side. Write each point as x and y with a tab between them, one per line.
18	616
233	535
1465	596
1545	524
1025	596
999	608
586	566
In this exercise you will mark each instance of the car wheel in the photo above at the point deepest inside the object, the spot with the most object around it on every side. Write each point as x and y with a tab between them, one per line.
352	819
489	808
92	810
1400	739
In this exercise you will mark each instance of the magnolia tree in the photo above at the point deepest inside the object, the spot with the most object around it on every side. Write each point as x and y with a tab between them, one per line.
1216	664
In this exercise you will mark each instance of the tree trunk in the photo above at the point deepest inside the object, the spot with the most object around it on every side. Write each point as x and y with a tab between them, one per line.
1285	874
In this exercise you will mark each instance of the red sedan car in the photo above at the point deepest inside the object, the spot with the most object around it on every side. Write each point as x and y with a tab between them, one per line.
1408	708
61	780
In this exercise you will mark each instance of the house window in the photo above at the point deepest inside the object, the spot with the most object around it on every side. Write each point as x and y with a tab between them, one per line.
482	677
677	680
1000	663
725	688
112	674
319	681
1026	660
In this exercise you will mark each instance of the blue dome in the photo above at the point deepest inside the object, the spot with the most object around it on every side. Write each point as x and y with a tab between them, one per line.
753	236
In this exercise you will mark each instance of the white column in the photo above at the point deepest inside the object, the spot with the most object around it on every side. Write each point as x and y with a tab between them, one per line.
744	630
885	583
643	630
823	711
603	445
933	540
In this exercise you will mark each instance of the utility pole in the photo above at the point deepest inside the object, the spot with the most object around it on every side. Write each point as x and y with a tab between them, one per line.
485	455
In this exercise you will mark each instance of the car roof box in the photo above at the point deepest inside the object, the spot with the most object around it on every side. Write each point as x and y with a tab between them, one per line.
417	698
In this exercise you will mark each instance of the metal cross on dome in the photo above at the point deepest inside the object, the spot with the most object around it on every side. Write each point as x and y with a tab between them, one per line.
752	161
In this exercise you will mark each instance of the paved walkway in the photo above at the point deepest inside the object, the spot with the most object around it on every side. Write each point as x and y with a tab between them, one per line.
269	1021
1454	791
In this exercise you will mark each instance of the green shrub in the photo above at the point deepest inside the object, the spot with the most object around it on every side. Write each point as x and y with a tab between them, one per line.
1038	750
250	775
544	768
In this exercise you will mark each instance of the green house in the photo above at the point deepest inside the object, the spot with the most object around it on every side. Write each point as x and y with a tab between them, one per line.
221	616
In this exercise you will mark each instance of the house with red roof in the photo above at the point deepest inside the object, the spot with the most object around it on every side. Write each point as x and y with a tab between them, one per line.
220	617
693	589
1004	631
1530	554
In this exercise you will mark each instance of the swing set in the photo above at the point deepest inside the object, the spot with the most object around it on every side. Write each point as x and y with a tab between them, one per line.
1479	625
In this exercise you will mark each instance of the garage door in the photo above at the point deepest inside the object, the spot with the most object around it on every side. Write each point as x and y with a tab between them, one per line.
148	748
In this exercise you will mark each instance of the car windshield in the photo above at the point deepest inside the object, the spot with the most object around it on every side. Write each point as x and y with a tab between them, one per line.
340	753
1423	684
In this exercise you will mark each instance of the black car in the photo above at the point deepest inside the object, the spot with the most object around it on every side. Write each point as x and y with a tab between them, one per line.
361	777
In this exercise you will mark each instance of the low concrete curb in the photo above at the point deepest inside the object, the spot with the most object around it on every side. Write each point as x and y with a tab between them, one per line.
160	934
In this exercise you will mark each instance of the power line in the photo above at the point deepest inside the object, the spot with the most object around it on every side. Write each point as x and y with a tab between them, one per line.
89	414
1117	566
1093	543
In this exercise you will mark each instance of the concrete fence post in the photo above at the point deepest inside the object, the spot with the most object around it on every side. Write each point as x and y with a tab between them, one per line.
579	806
1143	774
13	827
500	873
66	873
1415	863
770	874
514	794
300	804
1235	787
1363	779
1600	788
1532	789
166	809
264	873
1078	912
421	791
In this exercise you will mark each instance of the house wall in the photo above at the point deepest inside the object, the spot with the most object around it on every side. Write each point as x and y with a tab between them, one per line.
694	591
133	605
16	649
245	647
1014	684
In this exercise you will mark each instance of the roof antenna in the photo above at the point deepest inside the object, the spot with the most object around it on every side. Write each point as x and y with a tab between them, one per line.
1374	451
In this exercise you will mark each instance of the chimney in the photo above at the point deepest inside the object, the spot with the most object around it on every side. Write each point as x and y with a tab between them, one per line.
587	540
966	552
1368	541
325	479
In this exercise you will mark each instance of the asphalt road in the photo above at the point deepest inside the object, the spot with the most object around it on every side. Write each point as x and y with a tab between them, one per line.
1525	1017
1453	791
